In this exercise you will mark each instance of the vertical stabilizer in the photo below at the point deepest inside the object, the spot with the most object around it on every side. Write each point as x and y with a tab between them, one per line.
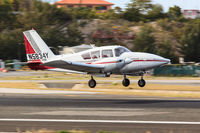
37	50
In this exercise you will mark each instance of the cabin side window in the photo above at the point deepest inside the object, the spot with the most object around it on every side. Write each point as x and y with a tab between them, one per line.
95	54
107	53
86	56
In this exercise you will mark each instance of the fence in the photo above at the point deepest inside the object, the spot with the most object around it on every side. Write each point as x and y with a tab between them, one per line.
178	70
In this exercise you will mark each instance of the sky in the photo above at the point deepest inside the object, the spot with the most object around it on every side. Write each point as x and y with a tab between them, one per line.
184	4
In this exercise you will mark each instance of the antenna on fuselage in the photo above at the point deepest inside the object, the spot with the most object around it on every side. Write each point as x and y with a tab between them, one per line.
92	45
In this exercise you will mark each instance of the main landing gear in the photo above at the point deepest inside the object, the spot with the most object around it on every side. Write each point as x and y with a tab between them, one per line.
92	83
126	82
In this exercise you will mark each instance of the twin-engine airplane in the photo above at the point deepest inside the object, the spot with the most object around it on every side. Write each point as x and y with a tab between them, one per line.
104	60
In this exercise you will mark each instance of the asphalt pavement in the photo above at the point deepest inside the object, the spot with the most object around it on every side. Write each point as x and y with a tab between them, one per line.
97	112
179	81
27	109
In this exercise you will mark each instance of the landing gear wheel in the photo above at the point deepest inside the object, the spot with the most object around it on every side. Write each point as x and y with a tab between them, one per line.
141	82
126	82
92	83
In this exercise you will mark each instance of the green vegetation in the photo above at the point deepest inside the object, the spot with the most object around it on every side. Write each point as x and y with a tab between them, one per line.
142	26
174	12
144	41
190	41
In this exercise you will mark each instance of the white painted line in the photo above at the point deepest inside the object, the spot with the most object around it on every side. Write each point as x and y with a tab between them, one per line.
103	121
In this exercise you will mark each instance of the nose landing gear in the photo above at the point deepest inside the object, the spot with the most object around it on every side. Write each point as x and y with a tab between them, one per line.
92	83
141	82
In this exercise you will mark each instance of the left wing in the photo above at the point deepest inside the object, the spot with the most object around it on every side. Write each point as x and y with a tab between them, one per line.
76	66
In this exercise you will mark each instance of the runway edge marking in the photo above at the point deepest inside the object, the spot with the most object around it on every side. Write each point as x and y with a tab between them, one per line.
103	121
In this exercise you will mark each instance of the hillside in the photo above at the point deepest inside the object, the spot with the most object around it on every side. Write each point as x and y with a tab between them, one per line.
142	26
122	32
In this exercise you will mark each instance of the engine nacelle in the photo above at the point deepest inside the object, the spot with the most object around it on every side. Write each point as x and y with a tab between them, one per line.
110	67
114	67
127	60
102	75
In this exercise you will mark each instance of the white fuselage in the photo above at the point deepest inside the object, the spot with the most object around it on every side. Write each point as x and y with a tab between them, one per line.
116	60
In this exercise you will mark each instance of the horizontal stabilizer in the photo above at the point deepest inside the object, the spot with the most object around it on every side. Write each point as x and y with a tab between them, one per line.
18	63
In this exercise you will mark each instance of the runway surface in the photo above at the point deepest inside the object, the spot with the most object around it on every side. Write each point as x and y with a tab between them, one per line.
185	82
97	112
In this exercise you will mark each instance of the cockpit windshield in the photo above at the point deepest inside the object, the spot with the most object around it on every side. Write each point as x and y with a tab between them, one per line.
121	50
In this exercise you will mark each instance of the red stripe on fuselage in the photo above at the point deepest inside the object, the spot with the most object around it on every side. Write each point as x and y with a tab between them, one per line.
133	61
106	62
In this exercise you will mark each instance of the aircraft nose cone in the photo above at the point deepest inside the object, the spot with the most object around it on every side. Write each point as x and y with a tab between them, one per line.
167	61
164	60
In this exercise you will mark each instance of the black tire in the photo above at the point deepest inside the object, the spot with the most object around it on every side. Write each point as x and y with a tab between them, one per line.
92	83
126	82
141	83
